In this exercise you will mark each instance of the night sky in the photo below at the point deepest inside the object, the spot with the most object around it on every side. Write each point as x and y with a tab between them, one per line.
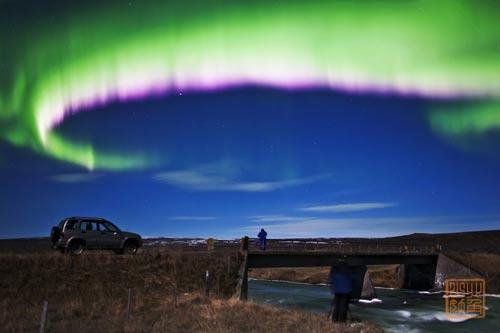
218	118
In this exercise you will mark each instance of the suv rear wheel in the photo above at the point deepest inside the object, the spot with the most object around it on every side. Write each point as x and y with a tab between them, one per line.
75	248
55	234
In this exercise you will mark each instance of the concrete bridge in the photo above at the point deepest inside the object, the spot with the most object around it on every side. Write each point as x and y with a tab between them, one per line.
418	267
421	267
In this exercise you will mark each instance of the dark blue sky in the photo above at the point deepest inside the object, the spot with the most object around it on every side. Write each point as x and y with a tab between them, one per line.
310	163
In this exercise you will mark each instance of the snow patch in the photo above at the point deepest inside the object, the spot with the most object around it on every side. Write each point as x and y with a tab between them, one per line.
370	301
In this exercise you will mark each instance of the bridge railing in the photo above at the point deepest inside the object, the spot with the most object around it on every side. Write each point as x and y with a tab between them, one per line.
344	248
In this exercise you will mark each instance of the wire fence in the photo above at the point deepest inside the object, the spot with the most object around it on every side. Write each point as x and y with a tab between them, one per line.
211	286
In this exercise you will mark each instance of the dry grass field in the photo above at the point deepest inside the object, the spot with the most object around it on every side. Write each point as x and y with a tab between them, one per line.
95	285
314	275
89	293
385	276
382	276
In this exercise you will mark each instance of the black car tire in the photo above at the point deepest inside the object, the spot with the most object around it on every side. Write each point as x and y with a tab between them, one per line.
130	247
75	248
55	233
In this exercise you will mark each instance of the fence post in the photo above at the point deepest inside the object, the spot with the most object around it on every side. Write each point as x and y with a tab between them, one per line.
43	319
218	286
207	284
174	292
128	302
244	243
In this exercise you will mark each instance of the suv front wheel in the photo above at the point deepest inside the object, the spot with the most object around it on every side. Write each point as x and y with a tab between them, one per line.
130	247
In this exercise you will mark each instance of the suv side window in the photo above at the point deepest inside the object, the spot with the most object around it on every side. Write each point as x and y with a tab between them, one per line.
106	226
70	225
88	226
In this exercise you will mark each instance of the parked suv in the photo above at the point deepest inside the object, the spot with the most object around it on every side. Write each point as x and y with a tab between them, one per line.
76	234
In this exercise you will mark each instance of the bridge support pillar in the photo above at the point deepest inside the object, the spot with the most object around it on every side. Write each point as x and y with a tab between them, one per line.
368	292
451	268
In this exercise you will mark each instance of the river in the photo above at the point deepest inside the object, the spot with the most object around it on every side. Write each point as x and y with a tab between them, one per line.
396	310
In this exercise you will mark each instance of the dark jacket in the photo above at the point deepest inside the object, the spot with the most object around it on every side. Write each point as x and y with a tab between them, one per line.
340	283
262	234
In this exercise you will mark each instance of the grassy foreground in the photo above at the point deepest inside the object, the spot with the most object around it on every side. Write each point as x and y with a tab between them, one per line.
90	294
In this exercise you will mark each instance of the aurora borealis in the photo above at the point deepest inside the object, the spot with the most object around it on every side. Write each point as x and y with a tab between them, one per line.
60	60
422	48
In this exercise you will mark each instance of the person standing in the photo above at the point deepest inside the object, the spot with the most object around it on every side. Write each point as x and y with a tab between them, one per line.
341	286
262	239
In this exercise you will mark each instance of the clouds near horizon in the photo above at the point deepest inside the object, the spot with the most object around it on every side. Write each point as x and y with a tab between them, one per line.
349	207
192	218
74	178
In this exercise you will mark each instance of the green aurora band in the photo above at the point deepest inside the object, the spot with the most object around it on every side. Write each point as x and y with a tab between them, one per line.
466	119
91	56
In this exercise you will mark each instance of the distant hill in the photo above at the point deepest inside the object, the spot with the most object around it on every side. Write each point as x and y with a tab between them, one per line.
472	241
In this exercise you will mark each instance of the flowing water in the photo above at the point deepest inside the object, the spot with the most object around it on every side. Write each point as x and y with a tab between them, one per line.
395	310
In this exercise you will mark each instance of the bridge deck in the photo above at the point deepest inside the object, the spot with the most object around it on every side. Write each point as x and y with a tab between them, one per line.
325	258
